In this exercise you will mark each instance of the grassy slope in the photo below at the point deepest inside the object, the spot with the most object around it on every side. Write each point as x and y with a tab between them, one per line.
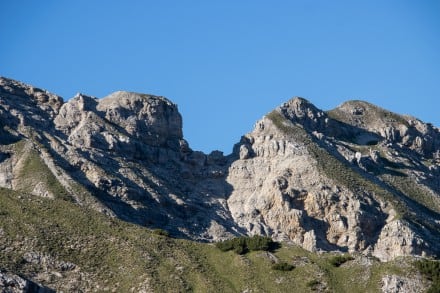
33	171
115	254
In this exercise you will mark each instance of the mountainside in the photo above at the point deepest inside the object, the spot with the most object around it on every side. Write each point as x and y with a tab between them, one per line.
339	181
356	179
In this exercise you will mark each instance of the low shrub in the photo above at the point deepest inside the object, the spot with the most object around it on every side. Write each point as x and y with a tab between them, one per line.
431	270
282	266
161	232
312	283
238	245
256	242
338	260
242	245
225	245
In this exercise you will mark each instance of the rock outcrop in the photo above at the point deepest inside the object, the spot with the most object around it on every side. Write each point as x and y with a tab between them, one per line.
326	184
282	192
11	283
396	284
357	178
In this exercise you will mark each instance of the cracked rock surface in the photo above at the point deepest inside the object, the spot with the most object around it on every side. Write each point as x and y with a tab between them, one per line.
357	178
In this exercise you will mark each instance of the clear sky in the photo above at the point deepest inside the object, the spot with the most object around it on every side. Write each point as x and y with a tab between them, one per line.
227	63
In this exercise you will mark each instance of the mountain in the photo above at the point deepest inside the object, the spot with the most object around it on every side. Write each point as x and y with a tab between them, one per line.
356	179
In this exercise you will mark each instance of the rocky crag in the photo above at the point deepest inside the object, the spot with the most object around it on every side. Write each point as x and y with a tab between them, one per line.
354	179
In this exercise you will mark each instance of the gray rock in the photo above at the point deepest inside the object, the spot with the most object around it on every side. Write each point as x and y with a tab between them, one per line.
357	178
399	284
11	283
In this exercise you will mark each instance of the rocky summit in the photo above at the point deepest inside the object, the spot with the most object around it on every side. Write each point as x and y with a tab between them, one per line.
357	179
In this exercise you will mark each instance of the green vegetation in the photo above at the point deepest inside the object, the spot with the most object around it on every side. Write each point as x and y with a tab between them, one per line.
413	191
241	245
283	266
161	232
313	284
111	253
431	270
338	260
34	171
257	242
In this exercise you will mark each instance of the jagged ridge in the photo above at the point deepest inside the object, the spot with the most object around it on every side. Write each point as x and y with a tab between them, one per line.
357	178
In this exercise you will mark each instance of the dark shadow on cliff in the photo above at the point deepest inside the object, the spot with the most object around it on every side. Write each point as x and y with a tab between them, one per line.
320	228
188	220
120	208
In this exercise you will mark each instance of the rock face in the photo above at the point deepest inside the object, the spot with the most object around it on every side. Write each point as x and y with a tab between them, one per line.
396	284
357	178
326	184
282	192
124	155
10	283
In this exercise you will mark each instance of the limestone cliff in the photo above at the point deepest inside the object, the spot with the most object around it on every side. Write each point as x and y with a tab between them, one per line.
325	184
357	178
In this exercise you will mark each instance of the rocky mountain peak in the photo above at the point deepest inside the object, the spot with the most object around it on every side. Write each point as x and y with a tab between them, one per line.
392	128
84	102
112	122
152	118
357	178
300	110
23	107
17	92
361	113
297	103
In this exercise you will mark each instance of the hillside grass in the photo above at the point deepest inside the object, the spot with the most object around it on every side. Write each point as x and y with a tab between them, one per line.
33	171
413	190
109	253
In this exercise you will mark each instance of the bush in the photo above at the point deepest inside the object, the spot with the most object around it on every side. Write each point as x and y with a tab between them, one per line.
242	245
283	266
338	260
161	232
225	245
431	270
313	283
435	287
240	249
238	245
259	243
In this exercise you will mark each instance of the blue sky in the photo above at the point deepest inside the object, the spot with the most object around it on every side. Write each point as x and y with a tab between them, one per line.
227	63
